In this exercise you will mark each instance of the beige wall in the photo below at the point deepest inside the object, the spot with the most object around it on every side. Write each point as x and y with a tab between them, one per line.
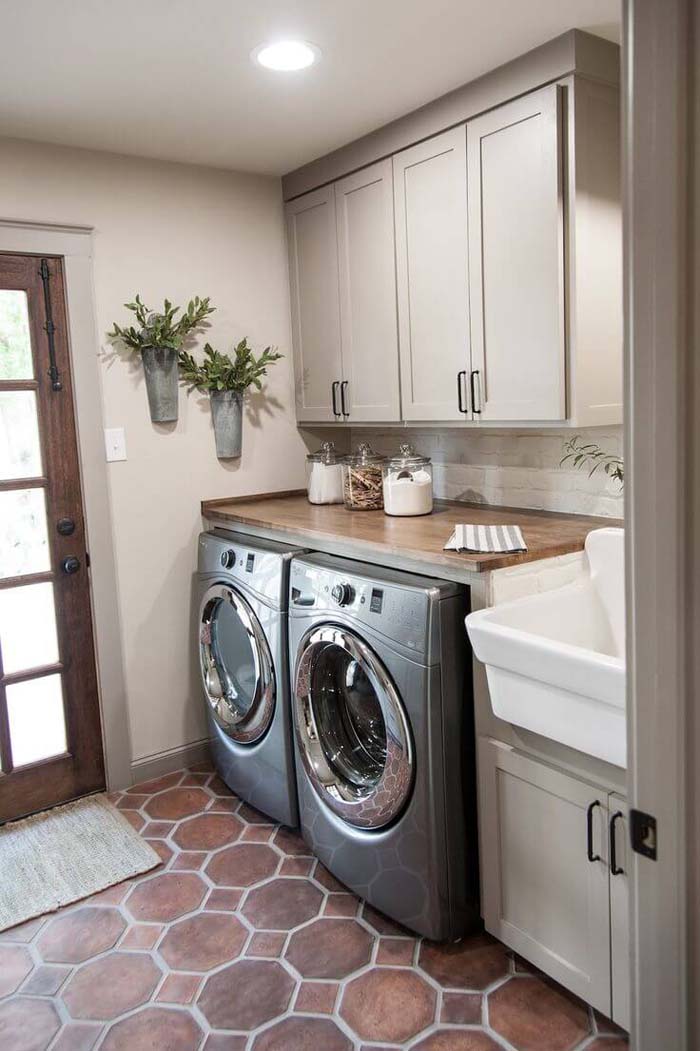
166	229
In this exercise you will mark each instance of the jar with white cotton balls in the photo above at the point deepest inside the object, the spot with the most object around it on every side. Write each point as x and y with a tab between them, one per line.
324	476
407	483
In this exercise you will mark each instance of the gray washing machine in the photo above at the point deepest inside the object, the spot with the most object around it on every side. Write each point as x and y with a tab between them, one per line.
242	643
384	734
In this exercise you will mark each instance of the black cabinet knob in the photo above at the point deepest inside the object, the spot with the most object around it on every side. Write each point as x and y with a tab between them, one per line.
65	526
70	565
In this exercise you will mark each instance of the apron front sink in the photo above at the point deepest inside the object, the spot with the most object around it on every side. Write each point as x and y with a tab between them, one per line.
555	661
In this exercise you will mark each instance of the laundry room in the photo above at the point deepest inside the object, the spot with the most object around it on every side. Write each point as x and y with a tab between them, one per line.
347	446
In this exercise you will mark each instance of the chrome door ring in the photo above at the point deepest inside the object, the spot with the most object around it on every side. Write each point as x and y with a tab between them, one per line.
249	726
382	803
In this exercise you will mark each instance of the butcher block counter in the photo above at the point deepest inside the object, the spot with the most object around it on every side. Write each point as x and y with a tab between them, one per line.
414	544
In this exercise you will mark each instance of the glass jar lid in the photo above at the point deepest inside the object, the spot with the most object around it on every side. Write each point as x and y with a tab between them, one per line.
407	458
326	454
363	456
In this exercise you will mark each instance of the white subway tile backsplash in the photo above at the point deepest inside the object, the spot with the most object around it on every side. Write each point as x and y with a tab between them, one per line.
510	468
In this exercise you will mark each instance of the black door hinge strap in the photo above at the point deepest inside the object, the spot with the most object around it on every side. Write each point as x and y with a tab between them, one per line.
50	328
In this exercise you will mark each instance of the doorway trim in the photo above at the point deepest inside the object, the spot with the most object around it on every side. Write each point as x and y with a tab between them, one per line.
75	244
662	443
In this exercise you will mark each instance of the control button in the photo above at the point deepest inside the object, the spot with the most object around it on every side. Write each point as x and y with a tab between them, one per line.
228	558
342	594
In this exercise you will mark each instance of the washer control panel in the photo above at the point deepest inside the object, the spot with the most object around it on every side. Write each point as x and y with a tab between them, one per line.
400	612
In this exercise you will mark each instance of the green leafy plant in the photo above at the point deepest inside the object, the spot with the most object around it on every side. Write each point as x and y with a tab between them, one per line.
589	455
162	329
220	372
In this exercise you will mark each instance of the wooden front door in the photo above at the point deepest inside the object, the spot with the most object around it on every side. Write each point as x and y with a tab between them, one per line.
50	735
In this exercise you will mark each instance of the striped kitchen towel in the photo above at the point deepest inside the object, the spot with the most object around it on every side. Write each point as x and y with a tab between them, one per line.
488	538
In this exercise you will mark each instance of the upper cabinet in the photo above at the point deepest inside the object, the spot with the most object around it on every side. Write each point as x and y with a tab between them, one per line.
313	280
343	293
516	259
430	191
364	205
473	277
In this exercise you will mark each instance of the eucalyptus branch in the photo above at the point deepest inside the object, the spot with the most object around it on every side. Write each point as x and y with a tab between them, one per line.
220	372
589	455
162	329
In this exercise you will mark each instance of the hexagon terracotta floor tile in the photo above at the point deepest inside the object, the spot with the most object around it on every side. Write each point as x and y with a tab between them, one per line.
241	941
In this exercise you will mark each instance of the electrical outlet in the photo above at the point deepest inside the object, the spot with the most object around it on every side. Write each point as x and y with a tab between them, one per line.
115	444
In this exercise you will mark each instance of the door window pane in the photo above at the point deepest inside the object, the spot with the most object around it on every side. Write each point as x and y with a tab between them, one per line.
24	545
349	718
37	722
20	453
15	345
27	627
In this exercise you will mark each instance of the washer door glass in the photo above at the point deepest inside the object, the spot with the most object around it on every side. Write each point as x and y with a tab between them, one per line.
236	665
352	730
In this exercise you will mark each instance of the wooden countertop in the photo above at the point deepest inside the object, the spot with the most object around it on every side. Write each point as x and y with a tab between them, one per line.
372	534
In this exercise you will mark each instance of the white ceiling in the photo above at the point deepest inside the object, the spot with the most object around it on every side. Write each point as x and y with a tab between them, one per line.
173	79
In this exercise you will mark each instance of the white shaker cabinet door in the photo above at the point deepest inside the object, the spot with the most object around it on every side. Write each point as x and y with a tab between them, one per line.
313	282
619	910
516	259
542	894
369	335
430	193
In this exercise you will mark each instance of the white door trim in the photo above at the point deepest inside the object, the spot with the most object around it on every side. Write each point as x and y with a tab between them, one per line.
74	243
659	550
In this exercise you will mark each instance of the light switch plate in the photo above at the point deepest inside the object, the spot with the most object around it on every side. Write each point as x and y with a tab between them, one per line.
115	443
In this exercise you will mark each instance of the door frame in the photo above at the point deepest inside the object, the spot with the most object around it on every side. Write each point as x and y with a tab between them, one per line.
661	48
75	245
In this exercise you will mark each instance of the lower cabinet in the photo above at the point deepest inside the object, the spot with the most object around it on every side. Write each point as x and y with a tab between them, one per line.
549	888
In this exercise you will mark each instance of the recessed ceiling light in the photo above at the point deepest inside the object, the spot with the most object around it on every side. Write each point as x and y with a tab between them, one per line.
286	55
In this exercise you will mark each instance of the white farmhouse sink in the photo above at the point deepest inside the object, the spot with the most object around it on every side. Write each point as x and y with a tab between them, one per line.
555	661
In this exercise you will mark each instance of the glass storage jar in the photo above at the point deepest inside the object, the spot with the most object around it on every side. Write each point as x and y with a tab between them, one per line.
407	483
324	476
362	479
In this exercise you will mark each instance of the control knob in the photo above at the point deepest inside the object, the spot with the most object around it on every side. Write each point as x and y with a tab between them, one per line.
342	594
228	558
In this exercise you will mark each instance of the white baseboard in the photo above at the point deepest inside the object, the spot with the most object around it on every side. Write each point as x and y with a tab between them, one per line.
165	762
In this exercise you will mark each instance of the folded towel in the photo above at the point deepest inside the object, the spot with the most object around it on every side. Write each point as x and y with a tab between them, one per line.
488	538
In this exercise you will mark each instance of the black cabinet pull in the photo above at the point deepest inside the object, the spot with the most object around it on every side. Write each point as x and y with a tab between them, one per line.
592	856
334	396
615	869
343	389
472	386
70	565
460	403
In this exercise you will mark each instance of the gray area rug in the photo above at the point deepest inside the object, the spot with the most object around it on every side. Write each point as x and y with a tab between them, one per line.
57	857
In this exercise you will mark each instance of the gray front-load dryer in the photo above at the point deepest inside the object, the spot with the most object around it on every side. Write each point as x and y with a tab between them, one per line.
383	719
243	657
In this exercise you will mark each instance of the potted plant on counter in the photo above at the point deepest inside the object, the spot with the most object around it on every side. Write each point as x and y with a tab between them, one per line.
160	337
227	380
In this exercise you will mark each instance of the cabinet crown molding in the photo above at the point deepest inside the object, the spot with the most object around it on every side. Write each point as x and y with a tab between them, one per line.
572	52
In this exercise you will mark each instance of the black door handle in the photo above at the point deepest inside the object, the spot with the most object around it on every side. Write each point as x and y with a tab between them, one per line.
592	856
460	404
334	395
472	386
615	869
70	565
343	388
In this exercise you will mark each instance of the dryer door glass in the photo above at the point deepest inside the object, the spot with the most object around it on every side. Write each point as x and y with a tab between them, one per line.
352	730
236	665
